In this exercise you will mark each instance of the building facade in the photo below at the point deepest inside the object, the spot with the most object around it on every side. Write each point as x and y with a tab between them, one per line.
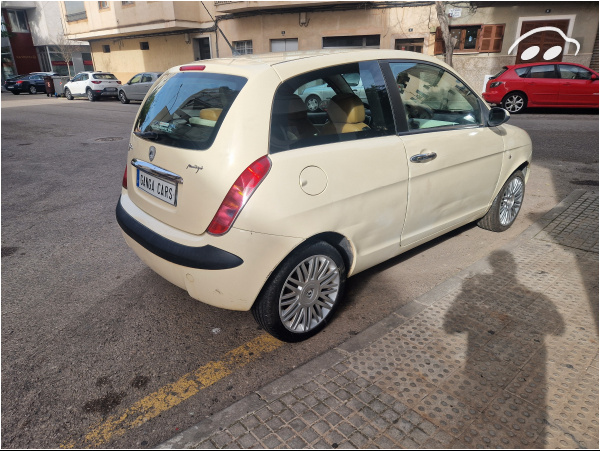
33	40
127	37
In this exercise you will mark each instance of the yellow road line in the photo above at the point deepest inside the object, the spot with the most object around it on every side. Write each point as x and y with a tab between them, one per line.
174	394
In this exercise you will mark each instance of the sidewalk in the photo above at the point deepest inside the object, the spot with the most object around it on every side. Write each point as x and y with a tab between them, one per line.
504	354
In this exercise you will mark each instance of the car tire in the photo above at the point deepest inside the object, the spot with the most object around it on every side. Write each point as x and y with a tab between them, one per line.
32	90
90	95
122	97
514	102
506	205
68	94
312	103
302	294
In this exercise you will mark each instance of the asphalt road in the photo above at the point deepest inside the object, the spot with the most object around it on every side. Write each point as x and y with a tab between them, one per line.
97	350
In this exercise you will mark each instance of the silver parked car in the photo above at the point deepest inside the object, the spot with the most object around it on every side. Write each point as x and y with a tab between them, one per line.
138	86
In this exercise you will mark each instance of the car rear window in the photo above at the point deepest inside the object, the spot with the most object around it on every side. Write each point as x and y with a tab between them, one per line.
186	109
104	76
504	69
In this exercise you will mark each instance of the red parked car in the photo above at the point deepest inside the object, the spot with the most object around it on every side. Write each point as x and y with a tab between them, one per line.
543	85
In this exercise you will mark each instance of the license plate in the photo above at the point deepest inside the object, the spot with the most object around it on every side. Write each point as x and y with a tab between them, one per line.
157	187
110	89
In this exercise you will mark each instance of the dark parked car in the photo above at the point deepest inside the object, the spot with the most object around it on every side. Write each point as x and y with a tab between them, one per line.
31	83
138	86
565	85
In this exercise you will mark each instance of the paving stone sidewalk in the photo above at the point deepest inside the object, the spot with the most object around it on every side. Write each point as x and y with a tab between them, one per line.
504	354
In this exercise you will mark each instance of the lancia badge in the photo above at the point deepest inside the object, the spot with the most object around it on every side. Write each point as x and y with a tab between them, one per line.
152	153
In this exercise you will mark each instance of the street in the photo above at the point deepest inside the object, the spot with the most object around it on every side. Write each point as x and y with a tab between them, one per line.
90	334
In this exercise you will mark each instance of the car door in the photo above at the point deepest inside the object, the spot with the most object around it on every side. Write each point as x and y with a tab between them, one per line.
454	160
79	84
578	86
145	85
542	85
131	87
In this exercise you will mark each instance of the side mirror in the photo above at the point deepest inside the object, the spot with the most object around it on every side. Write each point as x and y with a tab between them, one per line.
594	77
498	116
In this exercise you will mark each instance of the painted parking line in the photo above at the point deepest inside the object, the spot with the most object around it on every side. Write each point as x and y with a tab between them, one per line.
175	393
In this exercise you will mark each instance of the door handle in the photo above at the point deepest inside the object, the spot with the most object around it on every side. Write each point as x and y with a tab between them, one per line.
423	157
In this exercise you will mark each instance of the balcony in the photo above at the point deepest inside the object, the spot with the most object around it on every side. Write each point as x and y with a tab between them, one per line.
227	7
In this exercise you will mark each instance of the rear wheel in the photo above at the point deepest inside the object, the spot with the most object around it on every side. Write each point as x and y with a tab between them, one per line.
90	95
32	90
301	296
312	103
68	94
506	205
514	102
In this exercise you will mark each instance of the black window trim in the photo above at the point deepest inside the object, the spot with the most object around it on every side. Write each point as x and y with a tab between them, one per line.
398	106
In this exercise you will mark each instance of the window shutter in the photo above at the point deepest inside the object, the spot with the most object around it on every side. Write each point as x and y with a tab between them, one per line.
491	38
439	47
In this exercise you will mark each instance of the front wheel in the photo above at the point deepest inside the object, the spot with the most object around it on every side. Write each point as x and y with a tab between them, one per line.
122	97
68	94
515	102
506	205
301	296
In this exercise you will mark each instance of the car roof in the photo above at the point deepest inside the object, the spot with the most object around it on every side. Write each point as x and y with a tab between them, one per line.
291	63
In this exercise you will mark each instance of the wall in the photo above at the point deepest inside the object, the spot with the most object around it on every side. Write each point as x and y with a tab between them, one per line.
126	59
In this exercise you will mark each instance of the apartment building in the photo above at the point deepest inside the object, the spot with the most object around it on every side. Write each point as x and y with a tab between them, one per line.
33	40
127	37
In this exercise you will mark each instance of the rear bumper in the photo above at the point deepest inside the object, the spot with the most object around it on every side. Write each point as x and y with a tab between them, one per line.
203	257
227	271
492	97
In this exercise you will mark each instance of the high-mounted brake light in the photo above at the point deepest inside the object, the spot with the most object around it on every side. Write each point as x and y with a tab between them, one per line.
193	67
238	195
125	178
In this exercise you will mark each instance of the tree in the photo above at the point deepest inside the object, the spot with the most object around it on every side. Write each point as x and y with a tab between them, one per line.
67	48
449	40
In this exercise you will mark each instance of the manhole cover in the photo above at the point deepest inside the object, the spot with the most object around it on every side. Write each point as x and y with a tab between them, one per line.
109	139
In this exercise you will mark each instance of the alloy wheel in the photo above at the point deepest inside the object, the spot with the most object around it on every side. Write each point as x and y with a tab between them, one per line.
512	199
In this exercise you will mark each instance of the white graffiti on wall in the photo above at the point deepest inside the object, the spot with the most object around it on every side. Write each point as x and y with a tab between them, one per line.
551	53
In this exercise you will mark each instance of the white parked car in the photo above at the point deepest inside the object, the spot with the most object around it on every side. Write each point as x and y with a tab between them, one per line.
234	194
314	96
92	85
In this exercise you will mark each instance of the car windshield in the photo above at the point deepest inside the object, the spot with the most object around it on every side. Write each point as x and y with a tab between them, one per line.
186	109
104	76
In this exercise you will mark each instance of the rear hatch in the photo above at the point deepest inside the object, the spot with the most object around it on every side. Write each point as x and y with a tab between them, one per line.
178	165
10	84
105	82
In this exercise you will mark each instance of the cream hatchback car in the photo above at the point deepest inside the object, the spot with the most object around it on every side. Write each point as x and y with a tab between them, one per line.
238	195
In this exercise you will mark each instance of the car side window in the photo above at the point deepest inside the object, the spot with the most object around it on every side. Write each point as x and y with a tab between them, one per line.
135	79
334	104
545	71
574	72
77	78
434	98
84	76
146	78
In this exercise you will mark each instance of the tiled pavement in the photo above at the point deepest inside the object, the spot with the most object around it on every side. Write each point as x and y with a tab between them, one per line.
504	354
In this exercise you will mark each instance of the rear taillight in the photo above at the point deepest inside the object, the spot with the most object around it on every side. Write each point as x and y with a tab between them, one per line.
125	178
118	82
238	195
19	82
495	84
96	82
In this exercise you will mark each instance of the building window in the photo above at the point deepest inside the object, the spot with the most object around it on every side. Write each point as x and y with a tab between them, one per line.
74	11
284	45
102	5
144	45
472	39
18	21
106	48
242	47
368	41
127	3
410	45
